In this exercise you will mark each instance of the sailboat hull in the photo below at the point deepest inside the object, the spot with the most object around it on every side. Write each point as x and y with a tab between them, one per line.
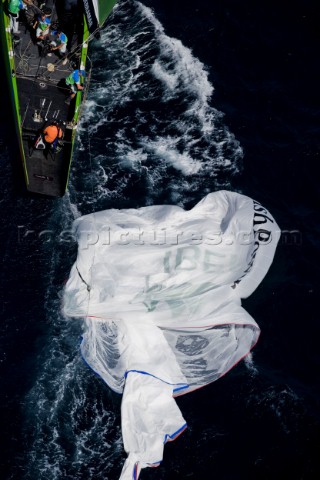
38	91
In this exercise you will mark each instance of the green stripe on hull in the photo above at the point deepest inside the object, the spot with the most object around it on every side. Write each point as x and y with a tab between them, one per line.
79	99
6	42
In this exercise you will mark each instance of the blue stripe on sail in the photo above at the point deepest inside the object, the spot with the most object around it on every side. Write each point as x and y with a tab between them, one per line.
181	385
175	434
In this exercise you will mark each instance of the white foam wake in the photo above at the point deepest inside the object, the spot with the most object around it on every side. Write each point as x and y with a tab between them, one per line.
149	114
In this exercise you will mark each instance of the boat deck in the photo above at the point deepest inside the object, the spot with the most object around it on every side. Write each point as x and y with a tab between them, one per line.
42	94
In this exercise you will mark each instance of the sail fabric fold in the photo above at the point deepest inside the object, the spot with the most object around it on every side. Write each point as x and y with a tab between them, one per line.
160	290
149	418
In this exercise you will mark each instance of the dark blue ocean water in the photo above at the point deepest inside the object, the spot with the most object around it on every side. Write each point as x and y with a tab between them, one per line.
209	95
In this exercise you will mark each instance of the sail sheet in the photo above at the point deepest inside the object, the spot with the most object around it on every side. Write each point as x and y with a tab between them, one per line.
96	12
160	289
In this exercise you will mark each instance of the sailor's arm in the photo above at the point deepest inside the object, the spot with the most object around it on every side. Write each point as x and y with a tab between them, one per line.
56	47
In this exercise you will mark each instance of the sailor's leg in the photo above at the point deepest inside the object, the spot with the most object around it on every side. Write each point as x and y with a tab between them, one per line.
63	53
55	143
68	101
30	15
14	24
38	33
73	94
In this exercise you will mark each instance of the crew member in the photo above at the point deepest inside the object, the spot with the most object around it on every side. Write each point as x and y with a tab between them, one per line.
52	134
42	25
60	44
73	81
14	8
31	10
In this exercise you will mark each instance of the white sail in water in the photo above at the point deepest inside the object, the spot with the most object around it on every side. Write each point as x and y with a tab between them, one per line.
160	289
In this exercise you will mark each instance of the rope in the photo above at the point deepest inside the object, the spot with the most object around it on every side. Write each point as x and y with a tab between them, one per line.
23	63
88	286
94	218
47	82
91	169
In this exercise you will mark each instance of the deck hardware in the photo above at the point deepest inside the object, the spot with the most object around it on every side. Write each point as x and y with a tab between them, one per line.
46	115
36	116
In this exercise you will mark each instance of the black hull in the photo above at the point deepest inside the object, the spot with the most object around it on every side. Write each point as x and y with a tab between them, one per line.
38	91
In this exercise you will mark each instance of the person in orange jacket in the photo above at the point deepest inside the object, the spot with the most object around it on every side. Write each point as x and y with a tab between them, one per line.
52	133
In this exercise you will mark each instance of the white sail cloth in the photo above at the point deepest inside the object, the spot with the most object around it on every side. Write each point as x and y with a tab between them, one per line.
160	289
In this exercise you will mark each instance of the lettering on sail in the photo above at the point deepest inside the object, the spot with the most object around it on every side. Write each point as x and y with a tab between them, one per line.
88	13
262	236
